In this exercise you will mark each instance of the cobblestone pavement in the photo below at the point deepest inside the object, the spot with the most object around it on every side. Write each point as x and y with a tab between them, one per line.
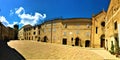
33	50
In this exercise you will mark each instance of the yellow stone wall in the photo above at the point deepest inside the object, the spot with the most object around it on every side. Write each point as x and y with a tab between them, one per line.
97	21
75	28
112	16
21	34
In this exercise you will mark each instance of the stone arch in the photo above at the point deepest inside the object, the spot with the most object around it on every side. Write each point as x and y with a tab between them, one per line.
77	41
45	39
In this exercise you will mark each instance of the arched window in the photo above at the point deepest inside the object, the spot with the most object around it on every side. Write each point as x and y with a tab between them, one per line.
103	24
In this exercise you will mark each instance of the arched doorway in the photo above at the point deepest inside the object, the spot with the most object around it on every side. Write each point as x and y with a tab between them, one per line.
77	41
102	40
45	39
87	43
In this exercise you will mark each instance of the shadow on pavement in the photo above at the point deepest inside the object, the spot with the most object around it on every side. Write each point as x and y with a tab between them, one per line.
8	53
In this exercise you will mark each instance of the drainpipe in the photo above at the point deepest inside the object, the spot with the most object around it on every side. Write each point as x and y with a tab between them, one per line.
51	29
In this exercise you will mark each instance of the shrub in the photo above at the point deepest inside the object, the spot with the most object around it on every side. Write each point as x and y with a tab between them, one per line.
112	48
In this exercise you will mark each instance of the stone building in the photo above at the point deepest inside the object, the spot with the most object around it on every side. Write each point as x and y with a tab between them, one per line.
16	31
21	34
36	32
6	33
98	30
112	25
73	31
3	32
27	30
11	33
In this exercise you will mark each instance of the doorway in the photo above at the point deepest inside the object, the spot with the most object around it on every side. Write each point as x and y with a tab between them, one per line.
87	43
64	42
102	41
45	39
77	41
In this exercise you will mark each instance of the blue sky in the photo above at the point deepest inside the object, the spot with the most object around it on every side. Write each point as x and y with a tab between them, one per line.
33	12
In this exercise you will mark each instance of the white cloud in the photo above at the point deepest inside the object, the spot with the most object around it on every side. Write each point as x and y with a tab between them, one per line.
28	18
18	11
11	12
5	22
25	18
11	25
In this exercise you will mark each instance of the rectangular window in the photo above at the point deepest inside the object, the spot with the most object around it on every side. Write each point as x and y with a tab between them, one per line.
34	33
88	25
64	33
44	30
72	38
29	33
39	27
34	28
88	34
39	32
115	25
65	25
96	30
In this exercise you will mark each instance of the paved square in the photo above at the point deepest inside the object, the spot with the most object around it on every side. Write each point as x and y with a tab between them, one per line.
33	50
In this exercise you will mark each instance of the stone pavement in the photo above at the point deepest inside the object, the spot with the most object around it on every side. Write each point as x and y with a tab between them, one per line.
105	54
33	50
8	53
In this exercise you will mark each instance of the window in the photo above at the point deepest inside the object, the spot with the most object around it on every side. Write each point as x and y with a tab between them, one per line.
34	28
29	33
103	24
88	25
65	25
115	25
39	27
34	33
96	30
35	36
87	33
64	33
64	42
72	39
39	32
44	30
29	38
